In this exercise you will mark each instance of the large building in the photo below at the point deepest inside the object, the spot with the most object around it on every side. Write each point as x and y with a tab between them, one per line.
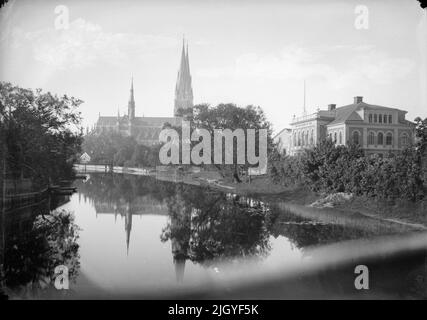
146	130
376	129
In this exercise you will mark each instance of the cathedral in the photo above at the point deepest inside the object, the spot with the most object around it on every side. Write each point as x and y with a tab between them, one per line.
146	130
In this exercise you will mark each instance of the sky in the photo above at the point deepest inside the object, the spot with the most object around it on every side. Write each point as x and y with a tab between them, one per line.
242	52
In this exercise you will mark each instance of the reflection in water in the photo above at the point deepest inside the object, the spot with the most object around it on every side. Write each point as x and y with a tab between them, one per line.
210	227
35	241
205	226
176	234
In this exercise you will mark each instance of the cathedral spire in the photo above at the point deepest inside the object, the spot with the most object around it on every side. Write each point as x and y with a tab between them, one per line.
128	226
131	104
183	89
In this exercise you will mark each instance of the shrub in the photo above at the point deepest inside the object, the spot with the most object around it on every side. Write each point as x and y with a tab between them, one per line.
330	168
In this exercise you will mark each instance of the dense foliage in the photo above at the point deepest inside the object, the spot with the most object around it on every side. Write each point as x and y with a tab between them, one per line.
120	150
39	133
330	168
232	117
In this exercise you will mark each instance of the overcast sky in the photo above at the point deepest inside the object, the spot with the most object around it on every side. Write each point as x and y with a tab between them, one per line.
245	52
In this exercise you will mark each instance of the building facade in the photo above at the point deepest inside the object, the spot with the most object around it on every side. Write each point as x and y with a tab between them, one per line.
283	140
146	130
376	129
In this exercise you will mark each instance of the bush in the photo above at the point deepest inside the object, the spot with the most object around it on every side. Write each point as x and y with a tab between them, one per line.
330	168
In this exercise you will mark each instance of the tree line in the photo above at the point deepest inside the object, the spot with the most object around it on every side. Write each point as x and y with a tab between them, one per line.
39	134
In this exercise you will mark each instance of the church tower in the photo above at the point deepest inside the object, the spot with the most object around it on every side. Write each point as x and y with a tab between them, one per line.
131	104
183	89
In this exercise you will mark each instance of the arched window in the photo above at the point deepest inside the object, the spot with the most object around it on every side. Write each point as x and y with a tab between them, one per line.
380	138
299	139
375	118
390	119
356	137
404	139
371	138
380	118
370	118
335	137
340	137
385	118
389	139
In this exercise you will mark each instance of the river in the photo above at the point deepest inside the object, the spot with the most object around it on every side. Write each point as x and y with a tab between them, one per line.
137	237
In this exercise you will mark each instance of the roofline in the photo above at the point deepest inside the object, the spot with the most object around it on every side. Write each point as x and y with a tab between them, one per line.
367	105
281	132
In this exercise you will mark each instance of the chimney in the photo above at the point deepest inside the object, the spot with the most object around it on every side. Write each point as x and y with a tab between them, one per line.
331	107
358	99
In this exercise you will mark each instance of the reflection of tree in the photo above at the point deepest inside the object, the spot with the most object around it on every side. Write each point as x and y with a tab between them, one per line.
205	226
31	257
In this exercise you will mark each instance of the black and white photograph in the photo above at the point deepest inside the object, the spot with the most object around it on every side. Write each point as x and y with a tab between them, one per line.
229	151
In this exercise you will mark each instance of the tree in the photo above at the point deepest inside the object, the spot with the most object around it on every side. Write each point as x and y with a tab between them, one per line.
107	147
230	116
421	133
41	133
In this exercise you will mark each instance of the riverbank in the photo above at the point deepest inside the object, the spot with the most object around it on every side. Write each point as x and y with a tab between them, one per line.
404	213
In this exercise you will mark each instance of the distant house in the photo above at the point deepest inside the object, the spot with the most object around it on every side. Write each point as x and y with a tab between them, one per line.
84	158
283	140
376	129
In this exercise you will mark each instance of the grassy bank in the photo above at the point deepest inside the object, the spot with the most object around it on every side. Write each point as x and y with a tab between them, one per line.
399	211
404	213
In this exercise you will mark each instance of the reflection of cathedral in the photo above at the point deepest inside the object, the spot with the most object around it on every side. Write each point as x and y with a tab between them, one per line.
139	206
146	130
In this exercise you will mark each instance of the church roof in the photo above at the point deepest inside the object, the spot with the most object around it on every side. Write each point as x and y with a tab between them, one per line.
107	121
154	121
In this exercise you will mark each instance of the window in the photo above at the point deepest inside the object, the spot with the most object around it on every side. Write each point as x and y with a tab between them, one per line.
370	118
306	138
390	119
389	139
404	140
375	118
385	118
335	137
340	141
371	138
380	118
312	137
380	138
356	137
295	139
299	139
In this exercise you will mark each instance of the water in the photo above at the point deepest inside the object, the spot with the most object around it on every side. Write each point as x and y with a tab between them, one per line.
138	237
